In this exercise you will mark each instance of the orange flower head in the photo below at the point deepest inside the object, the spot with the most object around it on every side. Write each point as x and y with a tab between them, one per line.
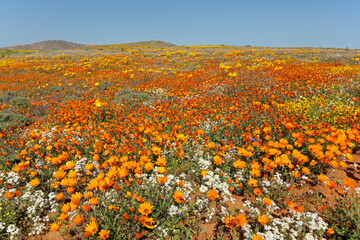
78	219
240	220
55	227
162	180
217	160
252	182
229	222
178	196
239	164
147	222
66	208
263	220
257	237
161	170
92	228
257	191
156	150
93	201
104	234
161	161
267	201
149	166
211	145
9	195
86	207
348	182
212	194
89	194
322	178
305	170
35	182
145	208
63	216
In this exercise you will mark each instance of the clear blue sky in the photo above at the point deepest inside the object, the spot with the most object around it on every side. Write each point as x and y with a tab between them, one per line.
274	23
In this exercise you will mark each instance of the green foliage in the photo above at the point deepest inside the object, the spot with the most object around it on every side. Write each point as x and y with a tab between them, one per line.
343	218
8	119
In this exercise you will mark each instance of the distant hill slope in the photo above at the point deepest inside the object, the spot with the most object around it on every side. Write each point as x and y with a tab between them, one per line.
46	45
144	44
62	45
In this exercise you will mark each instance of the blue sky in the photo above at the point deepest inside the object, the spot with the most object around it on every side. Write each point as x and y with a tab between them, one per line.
273	23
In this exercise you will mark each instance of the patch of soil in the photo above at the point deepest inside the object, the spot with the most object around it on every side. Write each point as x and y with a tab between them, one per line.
48	236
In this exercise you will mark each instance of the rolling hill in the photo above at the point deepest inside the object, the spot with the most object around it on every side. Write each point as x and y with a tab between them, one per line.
46	45
62	45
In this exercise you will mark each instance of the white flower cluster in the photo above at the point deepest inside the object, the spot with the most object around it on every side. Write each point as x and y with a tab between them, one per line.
278	180
13	231
299	226
201	204
162	233
357	190
79	164
36	202
12	178
254	212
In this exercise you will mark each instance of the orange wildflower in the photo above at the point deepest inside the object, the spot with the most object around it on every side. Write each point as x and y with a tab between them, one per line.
9	195
104	234
267	201
257	191
229	222
322	178
257	237
93	201
178	196
66	208
263	220
55	227
252	182
35	182
212	194
348	182
86	207
63	216
211	145
147	222
145	208
240	220
92	227
156	150
239	164
78	219
217	160
161	170
162	180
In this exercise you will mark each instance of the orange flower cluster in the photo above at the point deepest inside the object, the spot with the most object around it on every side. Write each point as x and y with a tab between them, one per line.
100	127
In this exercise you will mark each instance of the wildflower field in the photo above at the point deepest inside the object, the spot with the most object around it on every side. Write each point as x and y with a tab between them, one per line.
180	143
